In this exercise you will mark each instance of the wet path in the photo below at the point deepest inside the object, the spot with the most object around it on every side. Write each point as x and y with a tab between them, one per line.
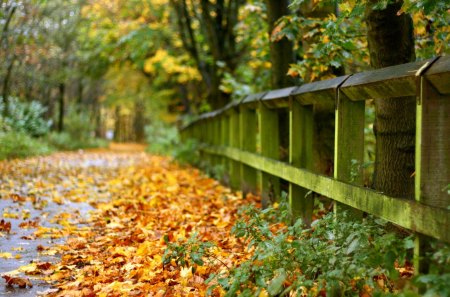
44	200
98	223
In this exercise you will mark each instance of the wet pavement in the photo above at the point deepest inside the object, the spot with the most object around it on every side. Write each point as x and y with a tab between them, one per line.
45	199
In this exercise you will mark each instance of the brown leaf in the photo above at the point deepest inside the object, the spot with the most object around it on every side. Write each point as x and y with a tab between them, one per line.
18	281
5	226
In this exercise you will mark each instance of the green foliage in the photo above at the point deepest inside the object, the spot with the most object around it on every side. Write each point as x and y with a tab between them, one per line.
25	117
339	39
438	280
161	137
164	139
336	255
20	145
66	141
188	253
78	124
78	132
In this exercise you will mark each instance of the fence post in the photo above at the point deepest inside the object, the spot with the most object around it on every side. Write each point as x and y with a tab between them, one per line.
208	137
300	155
349	146
216	138
269	144
235	169
432	175
247	142
224	141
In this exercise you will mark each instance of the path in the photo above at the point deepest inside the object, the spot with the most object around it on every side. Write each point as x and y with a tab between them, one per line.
95	222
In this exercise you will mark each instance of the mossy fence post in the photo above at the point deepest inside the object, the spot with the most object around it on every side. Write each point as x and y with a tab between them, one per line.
248	123
432	175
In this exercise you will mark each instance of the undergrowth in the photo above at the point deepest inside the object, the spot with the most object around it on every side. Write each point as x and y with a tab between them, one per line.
336	256
24	132
21	145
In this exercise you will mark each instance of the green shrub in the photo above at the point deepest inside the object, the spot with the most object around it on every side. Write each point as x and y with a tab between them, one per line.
336	256
161	138
25	117
65	141
164	139
78	124
20	145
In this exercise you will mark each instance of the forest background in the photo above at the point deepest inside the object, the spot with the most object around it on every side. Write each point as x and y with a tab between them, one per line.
74	72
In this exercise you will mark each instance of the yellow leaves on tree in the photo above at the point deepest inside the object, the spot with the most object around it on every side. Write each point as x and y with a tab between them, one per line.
163	61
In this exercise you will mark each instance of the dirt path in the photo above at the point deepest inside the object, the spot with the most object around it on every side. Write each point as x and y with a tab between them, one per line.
94	222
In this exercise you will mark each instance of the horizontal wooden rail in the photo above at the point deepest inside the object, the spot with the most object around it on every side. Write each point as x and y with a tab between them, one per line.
405	213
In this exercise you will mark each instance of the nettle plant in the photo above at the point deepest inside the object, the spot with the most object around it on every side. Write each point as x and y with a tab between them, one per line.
336	256
189	253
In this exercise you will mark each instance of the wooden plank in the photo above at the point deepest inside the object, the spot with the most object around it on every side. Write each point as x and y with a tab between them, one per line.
349	146
323	92
269	145
432	147
301	155
428	220
432	157
225	141
389	82
215	123
439	75
278	98
248	123
206	139
252	100
235	168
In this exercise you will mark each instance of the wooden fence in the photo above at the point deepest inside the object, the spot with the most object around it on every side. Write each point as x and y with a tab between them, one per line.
244	136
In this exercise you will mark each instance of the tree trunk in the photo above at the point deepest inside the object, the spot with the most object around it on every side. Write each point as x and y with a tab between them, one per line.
6	81
323	114
118	125
62	91
391	41
281	52
139	121
80	90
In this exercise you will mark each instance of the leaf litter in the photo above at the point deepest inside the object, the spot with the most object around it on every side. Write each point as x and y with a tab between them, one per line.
138	205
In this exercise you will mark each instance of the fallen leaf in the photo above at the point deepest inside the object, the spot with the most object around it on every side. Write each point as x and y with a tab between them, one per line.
18	281
5	226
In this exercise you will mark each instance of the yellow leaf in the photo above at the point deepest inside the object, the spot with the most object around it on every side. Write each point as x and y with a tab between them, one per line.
6	255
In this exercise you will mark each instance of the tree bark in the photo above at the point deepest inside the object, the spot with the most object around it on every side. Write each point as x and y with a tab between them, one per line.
62	91
218	34
118	125
391	41
139	121
281	52
6	83
4	38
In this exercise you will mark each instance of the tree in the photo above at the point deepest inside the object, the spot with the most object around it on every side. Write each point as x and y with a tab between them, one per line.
281	49
207	32
391	41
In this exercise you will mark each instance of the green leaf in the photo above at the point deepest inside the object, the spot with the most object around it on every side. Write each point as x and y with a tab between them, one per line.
276	284
197	259
408	243
353	246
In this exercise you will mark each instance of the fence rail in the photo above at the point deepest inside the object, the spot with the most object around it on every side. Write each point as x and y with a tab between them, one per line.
244	136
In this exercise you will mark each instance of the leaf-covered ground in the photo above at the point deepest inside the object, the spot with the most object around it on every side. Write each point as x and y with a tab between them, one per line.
97	223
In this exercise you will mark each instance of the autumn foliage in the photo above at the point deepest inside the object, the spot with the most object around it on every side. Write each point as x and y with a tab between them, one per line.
142	203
